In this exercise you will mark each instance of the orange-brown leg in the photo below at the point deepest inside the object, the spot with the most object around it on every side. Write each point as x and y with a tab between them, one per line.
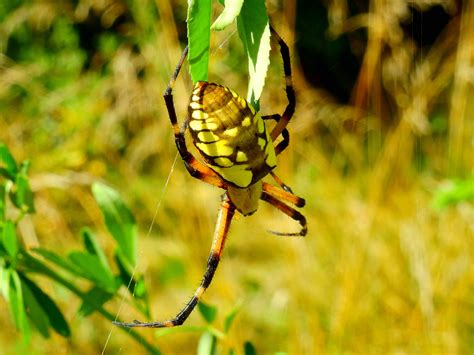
289	211
194	167
281	146
222	229
283	194
281	183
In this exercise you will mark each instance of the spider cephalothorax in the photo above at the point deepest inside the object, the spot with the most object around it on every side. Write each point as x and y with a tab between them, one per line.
238	152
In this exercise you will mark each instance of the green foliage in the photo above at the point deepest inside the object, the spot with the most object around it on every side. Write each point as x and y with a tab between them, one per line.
207	344
9	239
208	312
249	349
28	302
453	193
254	31
229	319
93	300
231	11
119	222
8	168
43	311
199	36
17	304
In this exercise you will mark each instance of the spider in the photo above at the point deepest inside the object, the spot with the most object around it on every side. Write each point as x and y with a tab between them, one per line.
238	152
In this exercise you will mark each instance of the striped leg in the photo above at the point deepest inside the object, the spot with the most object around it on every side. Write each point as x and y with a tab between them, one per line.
282	184
289	211
290	92
194	167
222	228
283	194
285	134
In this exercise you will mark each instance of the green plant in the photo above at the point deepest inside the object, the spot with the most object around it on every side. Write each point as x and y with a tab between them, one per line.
454	192
254	31
28	302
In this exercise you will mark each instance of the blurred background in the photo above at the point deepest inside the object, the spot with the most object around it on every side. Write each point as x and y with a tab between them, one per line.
383	128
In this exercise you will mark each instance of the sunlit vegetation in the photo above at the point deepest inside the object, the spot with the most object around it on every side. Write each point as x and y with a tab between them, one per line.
381	149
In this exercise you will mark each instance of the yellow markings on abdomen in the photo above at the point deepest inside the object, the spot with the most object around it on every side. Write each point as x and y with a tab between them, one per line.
241	157
215	149
237	174
232	132
231	138
260	125
195	105
201	125
207	137
246	122
199	115
223	162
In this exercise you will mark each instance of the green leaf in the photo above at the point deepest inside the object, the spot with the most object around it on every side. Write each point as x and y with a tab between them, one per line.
3	194
22	196
17	306
118	219
55	317
8	166
229	319
5	281
454	192
92	269
93	300
208	312
35	311
59	261
199	37
207	344
140	289
230	13
249	349
93	247
125	270
254	31
9	239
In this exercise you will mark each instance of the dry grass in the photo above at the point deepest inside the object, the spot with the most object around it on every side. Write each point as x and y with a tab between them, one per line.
380	271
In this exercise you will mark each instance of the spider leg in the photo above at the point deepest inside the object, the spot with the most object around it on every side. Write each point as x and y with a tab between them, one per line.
283	194
285	134
222	228
289	211
290	92
282	184
195	168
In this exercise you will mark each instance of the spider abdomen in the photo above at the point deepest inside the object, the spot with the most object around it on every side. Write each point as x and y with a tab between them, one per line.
230	136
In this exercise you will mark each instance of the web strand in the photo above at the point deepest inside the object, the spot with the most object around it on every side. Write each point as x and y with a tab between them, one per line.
152	223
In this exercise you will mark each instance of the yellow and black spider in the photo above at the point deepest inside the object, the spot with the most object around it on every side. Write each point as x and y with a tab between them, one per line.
238	152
